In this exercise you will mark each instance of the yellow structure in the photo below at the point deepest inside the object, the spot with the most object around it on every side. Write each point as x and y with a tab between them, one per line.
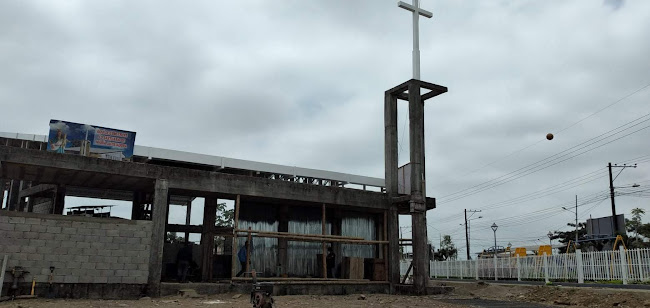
520	251
544	249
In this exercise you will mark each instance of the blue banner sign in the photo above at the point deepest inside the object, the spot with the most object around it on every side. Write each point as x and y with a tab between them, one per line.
90	140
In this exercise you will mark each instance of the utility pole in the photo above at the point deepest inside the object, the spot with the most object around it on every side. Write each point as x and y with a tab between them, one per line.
576	242
611	190
467	230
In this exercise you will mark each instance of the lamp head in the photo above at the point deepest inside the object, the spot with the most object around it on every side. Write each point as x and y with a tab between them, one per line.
494	227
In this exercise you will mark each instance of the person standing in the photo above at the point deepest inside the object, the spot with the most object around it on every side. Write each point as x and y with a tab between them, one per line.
242	256
331	259
183	261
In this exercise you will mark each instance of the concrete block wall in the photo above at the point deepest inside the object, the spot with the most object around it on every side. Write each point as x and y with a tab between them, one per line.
82	249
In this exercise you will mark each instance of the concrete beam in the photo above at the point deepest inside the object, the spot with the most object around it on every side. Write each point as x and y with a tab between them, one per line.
35	190
160	205
17	161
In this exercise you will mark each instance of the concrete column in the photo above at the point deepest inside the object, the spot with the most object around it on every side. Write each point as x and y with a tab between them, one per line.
137	210
390	157
22	203
283	243
188	216
12	197
207	237
417	204
159	209
59	200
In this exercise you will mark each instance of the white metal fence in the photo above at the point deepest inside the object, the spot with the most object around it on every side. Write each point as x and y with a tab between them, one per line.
624	265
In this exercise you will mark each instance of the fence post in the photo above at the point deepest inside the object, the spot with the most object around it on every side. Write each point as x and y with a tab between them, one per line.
623	264
448	267
462	265
476	267
638	257
546	268
496	270
581	274
518	269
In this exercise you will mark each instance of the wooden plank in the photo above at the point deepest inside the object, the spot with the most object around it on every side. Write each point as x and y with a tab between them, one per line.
317	239
248	251
306	235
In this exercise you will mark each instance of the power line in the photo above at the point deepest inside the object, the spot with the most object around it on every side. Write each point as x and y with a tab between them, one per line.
548	162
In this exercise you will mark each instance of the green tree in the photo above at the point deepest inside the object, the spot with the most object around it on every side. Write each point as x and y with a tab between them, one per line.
632	225
225	216
171	237
565	236
447	251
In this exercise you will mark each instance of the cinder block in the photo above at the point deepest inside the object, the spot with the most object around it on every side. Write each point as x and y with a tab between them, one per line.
102	266
93	225
62	223
58	236
4	219
79	258
7	226
98	232
106	239
16	235
76	238
33	221
111	259
117	253
90	251
130	266
38	228
114	279
85	279
106	273
98	245
78	224
68	244
30	235
133	241
36	242
23	227
122	273
83	245
126	233
138	273
105	253
141	234
69	230
16	220
28	249
12	249
35	257
60	250
120	240
88	265
71	279
74	251
125	260
116	266
128	279
92	238
141	280
144	267
45	236
47	252
100	280
113	233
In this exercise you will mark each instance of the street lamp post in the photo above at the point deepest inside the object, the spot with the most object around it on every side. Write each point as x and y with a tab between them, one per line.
576	212
494	228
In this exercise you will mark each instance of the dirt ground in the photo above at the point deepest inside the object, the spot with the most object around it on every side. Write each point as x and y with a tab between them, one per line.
555	295
465	295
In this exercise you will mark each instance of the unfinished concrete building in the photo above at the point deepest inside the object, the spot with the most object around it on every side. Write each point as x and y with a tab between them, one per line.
290	216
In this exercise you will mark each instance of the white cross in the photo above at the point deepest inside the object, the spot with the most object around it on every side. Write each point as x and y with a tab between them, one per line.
417	11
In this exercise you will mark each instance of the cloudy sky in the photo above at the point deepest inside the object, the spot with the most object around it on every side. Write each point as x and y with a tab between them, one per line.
301	83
